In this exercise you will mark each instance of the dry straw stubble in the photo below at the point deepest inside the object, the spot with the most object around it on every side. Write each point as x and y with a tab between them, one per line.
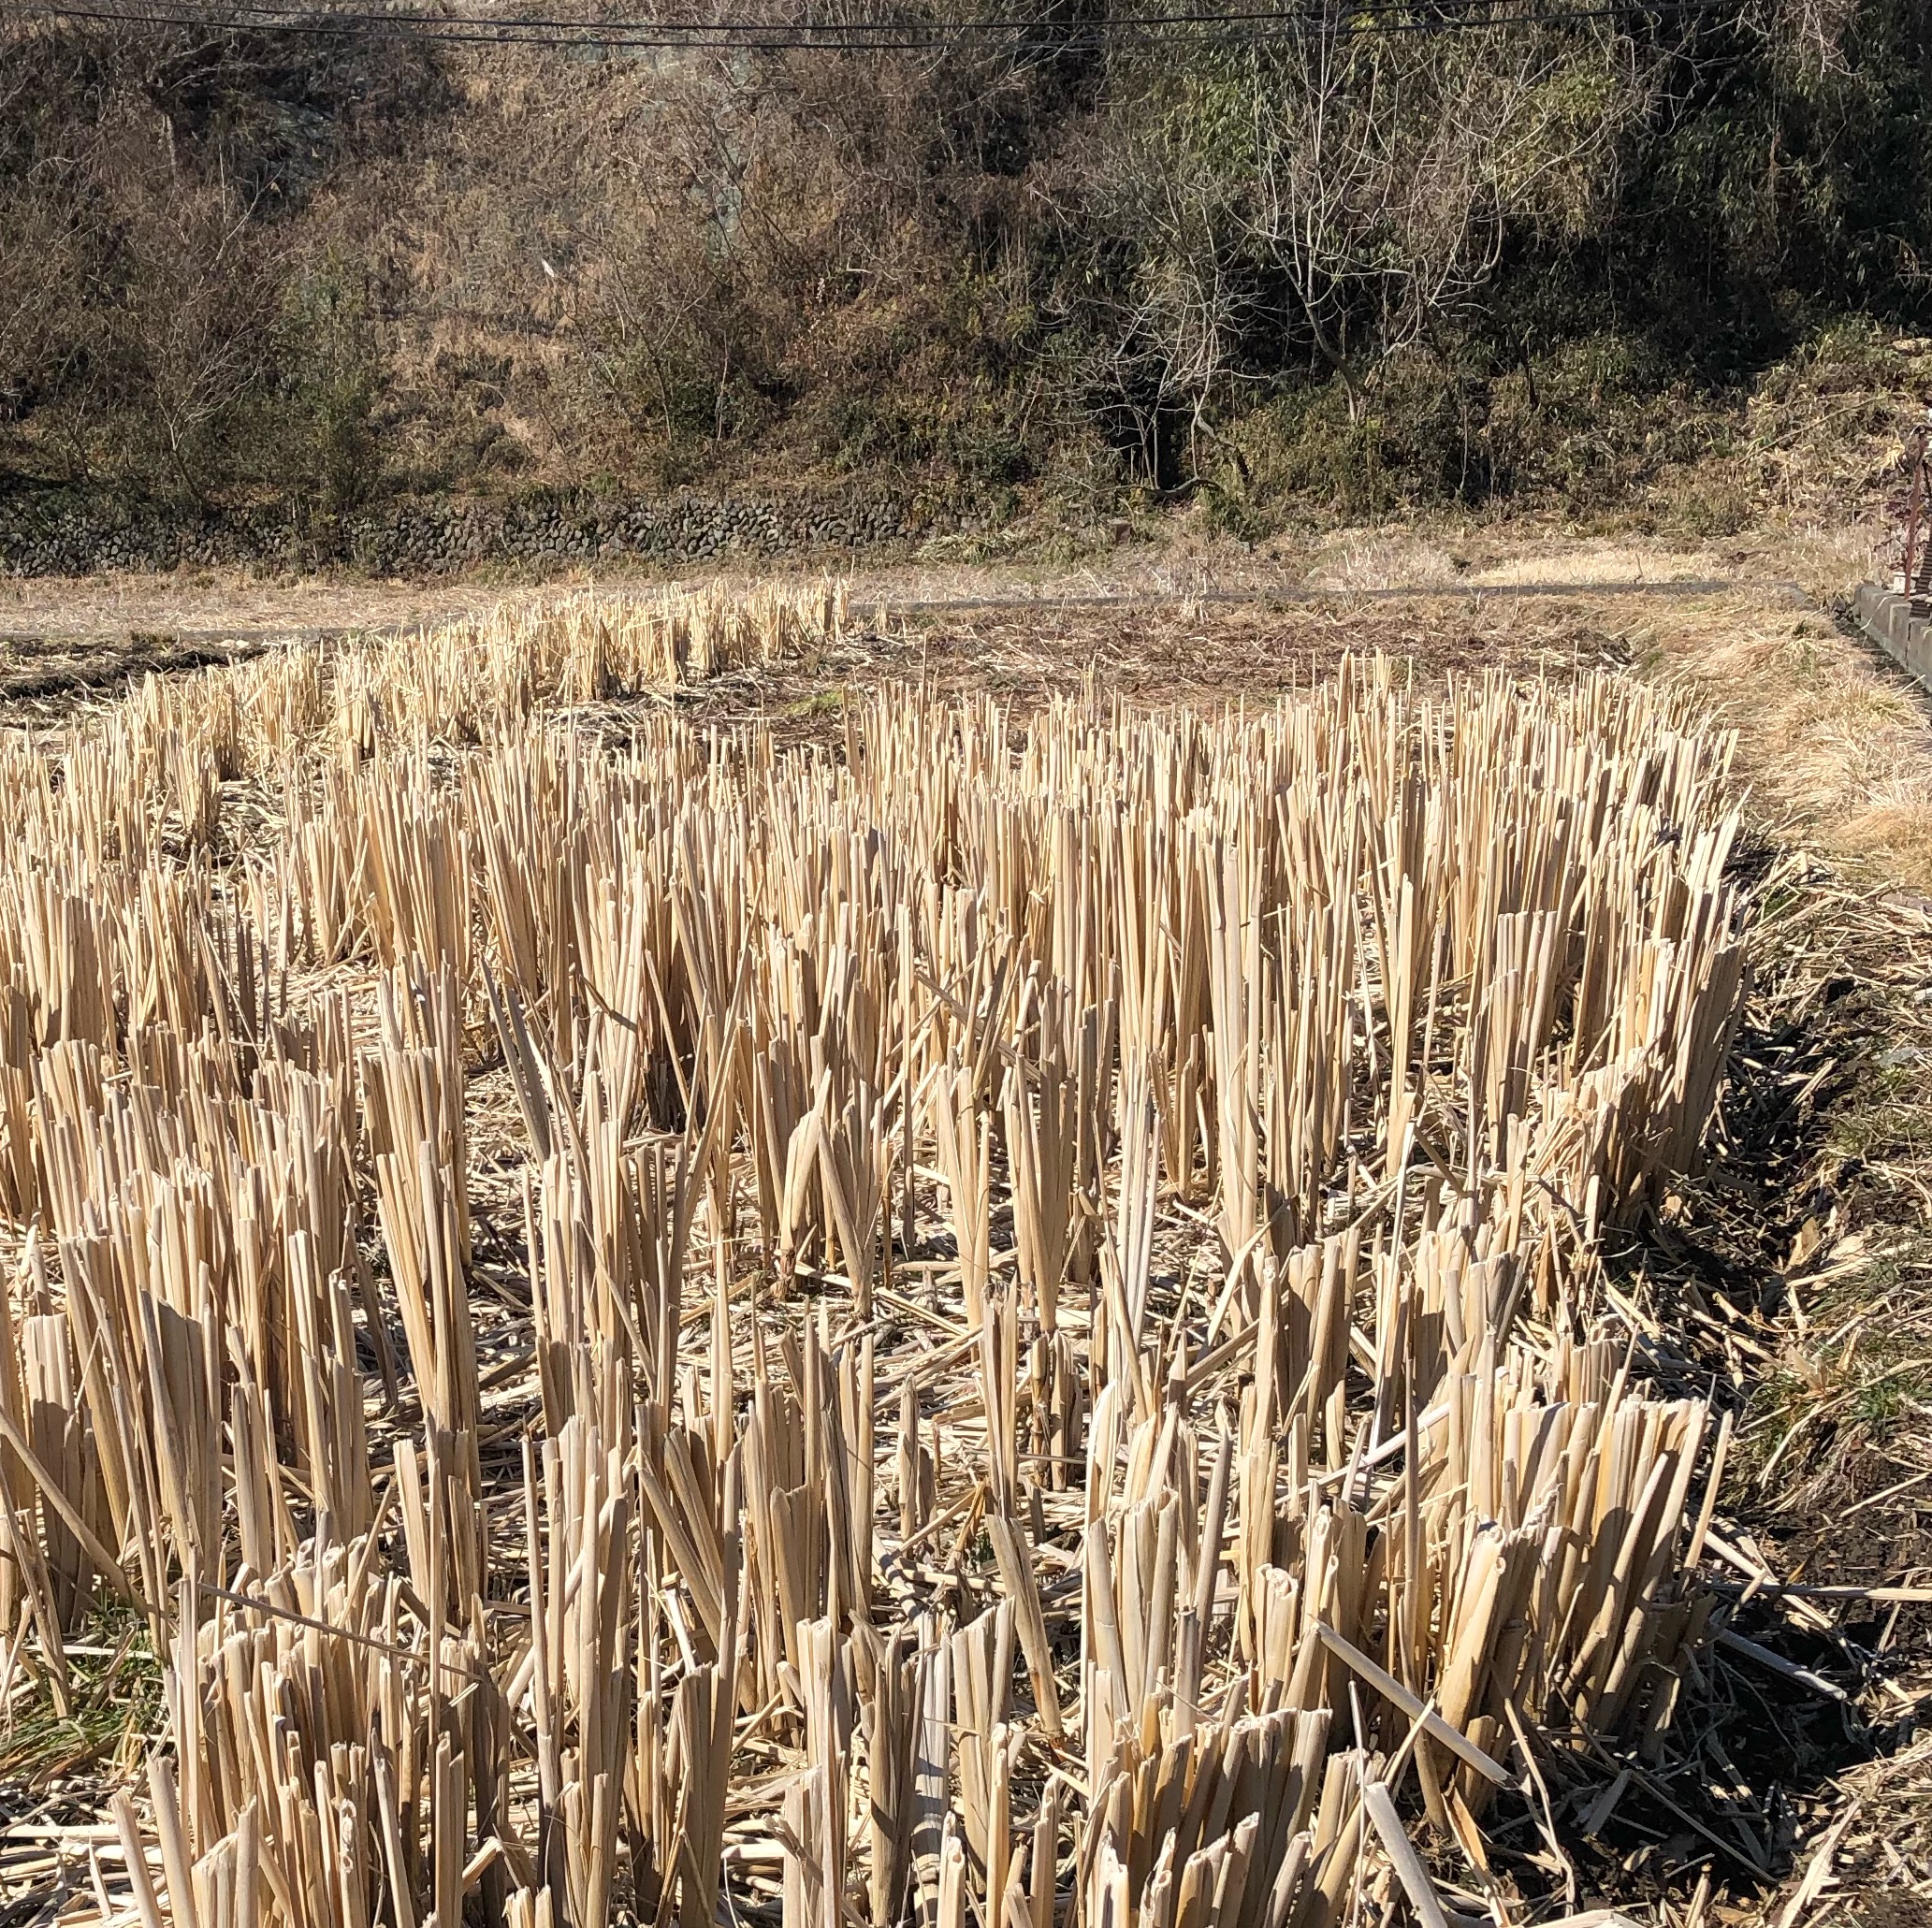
1056	1369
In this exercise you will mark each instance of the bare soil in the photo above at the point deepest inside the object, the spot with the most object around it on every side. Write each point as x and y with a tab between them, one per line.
240	603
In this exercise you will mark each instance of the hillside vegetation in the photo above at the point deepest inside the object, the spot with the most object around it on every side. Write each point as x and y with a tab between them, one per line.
1352	263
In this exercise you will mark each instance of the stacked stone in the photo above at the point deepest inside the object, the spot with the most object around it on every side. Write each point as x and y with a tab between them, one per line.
67	535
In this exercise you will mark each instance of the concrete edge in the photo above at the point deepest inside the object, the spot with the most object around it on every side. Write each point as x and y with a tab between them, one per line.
1288	594
1886	618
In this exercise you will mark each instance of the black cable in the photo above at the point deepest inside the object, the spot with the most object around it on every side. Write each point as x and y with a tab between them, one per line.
862	37
904	23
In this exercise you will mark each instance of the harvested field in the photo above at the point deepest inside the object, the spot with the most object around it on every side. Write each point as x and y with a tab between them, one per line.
917	1309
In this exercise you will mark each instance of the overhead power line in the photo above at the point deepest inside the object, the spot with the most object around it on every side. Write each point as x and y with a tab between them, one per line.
902	22
877	35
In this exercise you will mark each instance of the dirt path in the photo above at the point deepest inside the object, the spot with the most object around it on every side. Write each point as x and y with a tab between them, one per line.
1373	563
1211	620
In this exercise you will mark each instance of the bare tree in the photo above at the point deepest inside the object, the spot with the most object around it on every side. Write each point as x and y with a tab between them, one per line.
1173	327
1345	186
202	294
1389	167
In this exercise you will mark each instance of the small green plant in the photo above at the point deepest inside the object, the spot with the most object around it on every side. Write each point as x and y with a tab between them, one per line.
827	701
113	1701
334	375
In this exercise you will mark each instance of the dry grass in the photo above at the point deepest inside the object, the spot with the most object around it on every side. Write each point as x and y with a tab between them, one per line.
1383	562
1821	1242
1399	561
1607	562
1171	562
1836	742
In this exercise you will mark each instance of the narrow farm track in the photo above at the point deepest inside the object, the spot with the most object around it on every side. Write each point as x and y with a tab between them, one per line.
43	674
1476	590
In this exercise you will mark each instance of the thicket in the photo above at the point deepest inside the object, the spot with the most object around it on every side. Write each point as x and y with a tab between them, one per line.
1365	261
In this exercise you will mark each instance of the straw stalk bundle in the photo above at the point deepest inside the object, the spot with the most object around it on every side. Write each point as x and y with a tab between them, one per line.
1055	1370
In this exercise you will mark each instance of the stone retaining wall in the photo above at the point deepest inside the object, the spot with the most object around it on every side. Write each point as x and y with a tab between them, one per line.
69	535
